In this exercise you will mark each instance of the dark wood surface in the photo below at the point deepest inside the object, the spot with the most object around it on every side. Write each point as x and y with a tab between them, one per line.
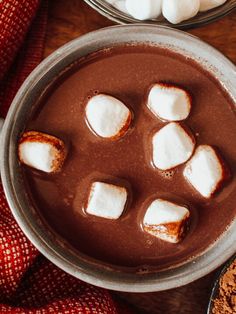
69	19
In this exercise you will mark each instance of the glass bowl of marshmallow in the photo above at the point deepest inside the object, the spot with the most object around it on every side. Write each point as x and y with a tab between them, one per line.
175	13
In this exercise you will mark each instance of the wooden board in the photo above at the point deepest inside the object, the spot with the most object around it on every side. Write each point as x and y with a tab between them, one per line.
72	18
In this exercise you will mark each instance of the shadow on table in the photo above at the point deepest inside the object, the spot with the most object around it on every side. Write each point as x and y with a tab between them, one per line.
189	299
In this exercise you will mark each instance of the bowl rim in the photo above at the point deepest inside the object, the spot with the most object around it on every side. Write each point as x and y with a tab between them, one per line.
203	18
15	196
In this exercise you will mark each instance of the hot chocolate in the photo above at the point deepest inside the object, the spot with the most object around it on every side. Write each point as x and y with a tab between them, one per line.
127	73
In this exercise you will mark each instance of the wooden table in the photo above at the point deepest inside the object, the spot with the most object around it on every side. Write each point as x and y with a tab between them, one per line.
72	18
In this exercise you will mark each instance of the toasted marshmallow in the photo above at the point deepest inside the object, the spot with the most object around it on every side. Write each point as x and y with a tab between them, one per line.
206	171
106	200
166	220
107	116
41	151
169	102
144	9
206	5
176	11
172	146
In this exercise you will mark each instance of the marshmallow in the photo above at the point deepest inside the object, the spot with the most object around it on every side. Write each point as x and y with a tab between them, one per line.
144	9
112	2
166	220
205	171
172	146
106	200
206	5
169	102
41	151
118	4
107	116
176	11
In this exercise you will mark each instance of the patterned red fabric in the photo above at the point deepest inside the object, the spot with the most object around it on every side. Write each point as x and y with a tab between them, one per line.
29	283
15	18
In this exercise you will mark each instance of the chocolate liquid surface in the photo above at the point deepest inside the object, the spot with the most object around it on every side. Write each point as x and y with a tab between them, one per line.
127	73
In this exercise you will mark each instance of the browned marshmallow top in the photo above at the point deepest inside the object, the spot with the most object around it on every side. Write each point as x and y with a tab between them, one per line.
127	74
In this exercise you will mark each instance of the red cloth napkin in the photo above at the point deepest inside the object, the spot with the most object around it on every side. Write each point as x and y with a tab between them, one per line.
29	283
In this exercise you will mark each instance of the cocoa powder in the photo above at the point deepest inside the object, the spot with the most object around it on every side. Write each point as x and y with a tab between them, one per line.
225	303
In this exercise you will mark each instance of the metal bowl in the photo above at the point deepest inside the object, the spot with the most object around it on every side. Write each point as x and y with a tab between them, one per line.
202	18
215	290
52	246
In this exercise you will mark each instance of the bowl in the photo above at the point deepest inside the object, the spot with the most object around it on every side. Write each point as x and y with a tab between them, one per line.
215	290
52	246
202	18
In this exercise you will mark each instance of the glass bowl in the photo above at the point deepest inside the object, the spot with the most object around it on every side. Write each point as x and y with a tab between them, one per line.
202	18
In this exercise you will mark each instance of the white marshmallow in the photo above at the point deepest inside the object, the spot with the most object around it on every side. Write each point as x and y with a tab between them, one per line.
106	200
176	11
107	116
166	220
119	5
144	9
205	171
112	2
169	102
206	5
41	151
172	146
